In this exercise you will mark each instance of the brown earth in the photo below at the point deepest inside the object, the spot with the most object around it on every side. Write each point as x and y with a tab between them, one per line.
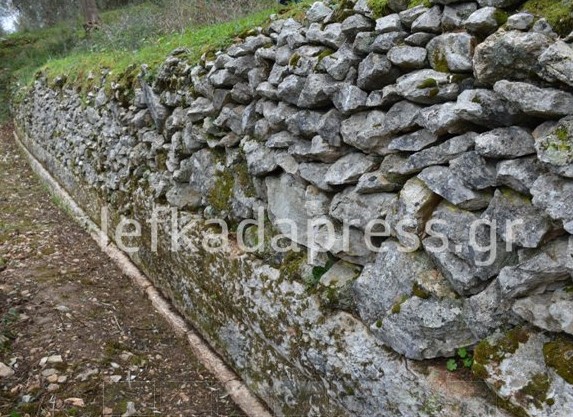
79	336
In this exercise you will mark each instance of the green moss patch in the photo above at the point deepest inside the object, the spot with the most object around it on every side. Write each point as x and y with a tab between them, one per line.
559	356
379	7
559	13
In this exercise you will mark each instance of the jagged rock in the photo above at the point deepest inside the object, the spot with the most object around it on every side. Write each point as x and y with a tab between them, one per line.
505	142
356	23
362	130
242	93
363	42
335	286
407	57
349	98
252	43
332	35
436	155
401	117
539	270
200	108
260	159
520	21
474	171
5	371
429	21
541	25
383	98
286	162
183	196
441	119
519	174
389	23
241	66
315	173
427	87
484	21
517	220
556	148
442	181
487	108
304	123
386	41
455	14
498	3
557	63
358	210
339	64
413	142
317	149
328	127
509	55
413	208
420	39
471	253
551	311
223	78
348	169
315	92
375	72
318	12
513	366
158	111
290	89
535	101
316	201
554	195
410	15
376	182
452	52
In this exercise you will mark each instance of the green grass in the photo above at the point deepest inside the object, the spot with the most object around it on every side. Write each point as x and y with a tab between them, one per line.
559	13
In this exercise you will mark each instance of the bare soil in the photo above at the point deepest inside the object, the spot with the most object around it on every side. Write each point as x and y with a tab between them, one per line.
79	337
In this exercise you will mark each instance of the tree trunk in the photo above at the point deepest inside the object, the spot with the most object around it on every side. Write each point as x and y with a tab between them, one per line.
91	15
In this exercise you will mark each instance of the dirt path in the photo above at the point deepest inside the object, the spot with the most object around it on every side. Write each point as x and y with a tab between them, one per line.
78	337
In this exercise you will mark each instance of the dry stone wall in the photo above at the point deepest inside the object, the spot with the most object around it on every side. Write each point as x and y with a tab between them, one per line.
444	123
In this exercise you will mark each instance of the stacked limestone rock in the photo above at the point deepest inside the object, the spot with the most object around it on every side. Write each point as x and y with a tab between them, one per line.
457	112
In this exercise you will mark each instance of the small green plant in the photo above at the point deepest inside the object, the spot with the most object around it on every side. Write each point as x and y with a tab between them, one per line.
379	7
463	358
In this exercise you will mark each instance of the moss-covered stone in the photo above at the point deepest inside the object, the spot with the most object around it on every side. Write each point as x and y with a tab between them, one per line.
559	13
428	83
559	356
220	195
419	291
415	3
536	390
487	352
379	7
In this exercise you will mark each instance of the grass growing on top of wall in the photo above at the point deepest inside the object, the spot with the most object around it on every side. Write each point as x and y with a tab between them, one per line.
559	13
144	33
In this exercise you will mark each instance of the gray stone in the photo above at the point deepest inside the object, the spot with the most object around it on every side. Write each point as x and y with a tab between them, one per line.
358	210
335	286
183	196
517	220
557	63
541	25
383	98
413	142
269	91
410	15
455	14
534	101
339	64
538	271
242	93
498	3
158	111
441	119
260	159
520	21
401	117
200	108
505	142
386	41
290	89
556	148
304	123
315	92
474	171
363	43
348	169
332	35
511	55
356	23
554	195
349	98
318	12
315	173
407	57
511	374
223	78
551	311
375	72
316	201
362	130
389	23
442	181
5	371
427	87
286	162
484	21
328	127
414	207
452	52
430	21
398	5
487	108
436	155
376	182
318	150
420	39
282	139
519	174
278	73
